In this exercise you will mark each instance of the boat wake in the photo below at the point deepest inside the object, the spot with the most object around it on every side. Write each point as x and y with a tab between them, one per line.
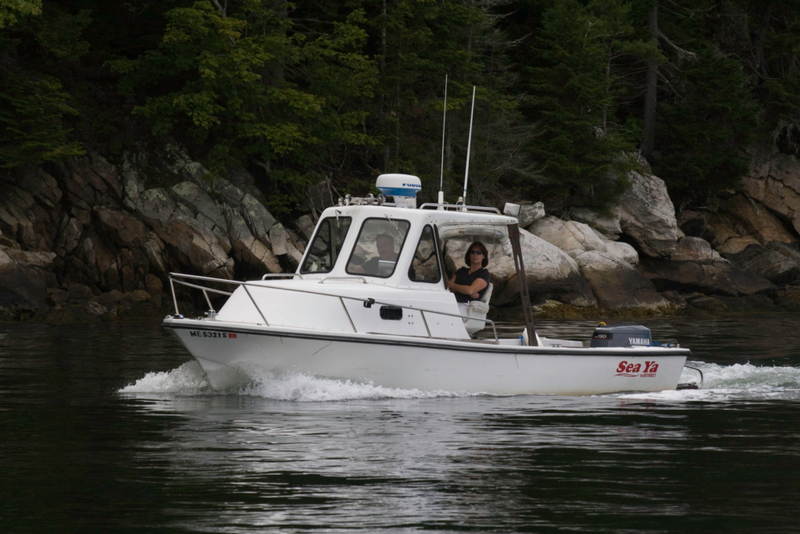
189	380
724	383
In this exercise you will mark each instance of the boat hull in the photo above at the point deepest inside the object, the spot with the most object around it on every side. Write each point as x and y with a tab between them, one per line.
427	364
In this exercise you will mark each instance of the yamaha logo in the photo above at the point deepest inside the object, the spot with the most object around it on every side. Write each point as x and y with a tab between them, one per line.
638	341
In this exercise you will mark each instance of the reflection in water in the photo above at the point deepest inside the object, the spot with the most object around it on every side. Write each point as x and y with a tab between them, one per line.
112	428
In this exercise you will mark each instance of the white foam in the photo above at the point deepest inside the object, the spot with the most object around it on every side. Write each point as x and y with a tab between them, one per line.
724	383
189	380
721	383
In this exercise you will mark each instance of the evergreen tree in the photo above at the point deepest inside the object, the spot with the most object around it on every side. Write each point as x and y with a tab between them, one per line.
33	103
572	97
243	82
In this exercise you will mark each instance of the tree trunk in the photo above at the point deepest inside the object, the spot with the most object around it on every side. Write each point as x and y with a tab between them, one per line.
651	95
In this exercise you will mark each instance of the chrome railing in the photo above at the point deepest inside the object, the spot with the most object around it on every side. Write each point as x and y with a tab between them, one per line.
180	279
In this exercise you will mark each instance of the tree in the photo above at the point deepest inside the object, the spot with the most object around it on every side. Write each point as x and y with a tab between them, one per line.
33	103
12	11
572	96
240	80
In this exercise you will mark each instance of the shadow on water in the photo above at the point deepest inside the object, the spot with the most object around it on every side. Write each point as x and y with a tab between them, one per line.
112	428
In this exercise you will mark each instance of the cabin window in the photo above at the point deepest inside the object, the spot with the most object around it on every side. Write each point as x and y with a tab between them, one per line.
425	265
378	246
327	245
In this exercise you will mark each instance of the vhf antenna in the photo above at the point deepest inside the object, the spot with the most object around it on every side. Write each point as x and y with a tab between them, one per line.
441	168
469	145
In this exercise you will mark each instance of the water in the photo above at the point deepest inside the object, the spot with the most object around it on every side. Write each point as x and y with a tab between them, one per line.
112	428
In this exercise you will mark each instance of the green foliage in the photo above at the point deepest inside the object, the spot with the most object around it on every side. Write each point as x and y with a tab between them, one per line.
346	89
13	11
60	33
704	134
572	94
31	109
245	84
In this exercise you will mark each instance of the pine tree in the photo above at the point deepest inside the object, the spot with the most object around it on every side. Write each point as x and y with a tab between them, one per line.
572	97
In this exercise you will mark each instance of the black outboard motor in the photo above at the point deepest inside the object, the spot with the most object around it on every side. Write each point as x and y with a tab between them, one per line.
632	335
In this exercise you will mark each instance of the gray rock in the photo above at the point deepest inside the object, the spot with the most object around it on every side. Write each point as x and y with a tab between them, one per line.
695	249
258	218
570	236
718	278
549	272
22	286
607	225
199	202
779	266
279	239
530	213
623	251
616	284
305	226
648	216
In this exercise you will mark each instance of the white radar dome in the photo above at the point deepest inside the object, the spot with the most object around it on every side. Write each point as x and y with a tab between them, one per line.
403	187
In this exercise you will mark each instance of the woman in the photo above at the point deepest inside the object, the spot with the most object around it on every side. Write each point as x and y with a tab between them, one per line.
470	283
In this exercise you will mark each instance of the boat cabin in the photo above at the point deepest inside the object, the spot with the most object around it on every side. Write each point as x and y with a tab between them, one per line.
378	267
396	245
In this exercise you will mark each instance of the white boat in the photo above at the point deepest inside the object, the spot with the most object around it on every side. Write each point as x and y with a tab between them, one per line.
394	323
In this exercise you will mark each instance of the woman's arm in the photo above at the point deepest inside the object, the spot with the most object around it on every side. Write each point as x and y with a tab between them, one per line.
472	290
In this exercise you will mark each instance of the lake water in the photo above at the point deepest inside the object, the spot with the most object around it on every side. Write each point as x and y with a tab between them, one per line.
112	428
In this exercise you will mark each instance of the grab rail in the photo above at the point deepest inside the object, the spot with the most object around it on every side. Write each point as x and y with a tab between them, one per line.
369	302
350	278
459	207
281	275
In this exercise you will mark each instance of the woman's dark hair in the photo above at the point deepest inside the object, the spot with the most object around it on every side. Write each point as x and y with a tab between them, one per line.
478	245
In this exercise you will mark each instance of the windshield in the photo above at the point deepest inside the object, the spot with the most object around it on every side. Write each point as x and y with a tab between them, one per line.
379	244
326	246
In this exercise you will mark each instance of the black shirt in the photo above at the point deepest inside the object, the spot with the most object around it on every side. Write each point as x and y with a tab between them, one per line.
464	278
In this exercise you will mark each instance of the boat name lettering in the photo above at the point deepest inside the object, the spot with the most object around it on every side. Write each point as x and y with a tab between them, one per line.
204	333
635	369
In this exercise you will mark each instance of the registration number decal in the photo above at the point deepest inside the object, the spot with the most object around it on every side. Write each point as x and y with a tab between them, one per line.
205	333
635	369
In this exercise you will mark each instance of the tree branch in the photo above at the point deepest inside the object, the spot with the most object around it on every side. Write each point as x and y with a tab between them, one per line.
685	54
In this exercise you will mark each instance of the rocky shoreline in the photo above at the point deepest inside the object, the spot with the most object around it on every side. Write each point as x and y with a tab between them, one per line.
87	240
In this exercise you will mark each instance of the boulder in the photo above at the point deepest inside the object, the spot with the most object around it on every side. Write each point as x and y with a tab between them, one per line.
530	213
23	287
778	266
305	226
254	255
695	249
258	218
199	202
623	251
733	224
549	272
32	259
279	239
608	225
774	181
570	236
648	216
717	278
616	284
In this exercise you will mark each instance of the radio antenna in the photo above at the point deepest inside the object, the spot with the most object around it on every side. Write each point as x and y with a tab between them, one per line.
469	146
441	168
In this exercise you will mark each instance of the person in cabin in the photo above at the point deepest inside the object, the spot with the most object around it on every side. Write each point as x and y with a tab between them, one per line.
470	283
386	253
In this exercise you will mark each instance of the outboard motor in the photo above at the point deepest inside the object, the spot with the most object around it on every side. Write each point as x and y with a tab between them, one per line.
621	336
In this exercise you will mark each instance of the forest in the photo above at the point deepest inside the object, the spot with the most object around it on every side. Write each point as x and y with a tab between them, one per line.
569	93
